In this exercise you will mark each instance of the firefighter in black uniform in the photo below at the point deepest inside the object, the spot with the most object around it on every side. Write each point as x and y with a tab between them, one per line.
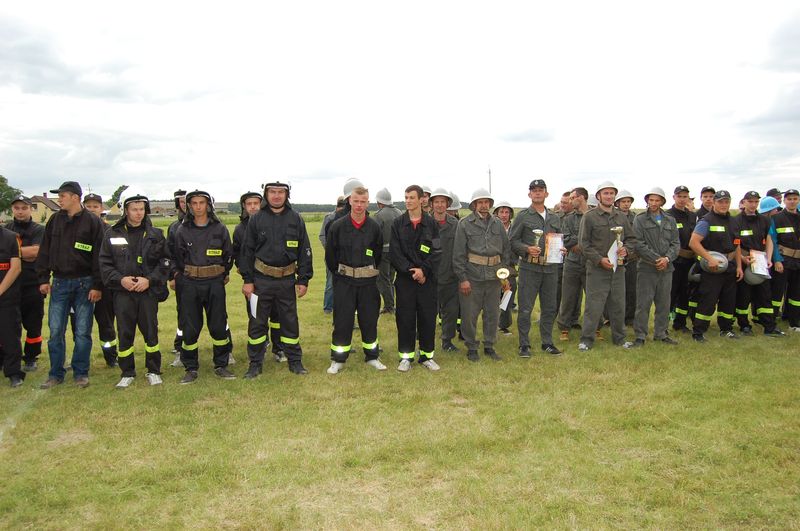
203	258
276	266
752	234
716	289
251	203
415	251
352	253
11	330
787	227
104	308
685	220
174	282
32	301
134	267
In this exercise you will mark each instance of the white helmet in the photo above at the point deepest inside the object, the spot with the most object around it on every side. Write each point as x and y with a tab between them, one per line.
721	258
383	197
481	193
657	191
441	192
501	204
131	195
456	204
622	194
426	189
350	185
605	184
591	202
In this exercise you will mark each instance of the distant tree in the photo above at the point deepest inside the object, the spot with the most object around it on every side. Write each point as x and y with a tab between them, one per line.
115	196
7	194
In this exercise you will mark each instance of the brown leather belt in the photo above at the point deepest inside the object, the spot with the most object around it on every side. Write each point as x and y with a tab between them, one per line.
203	271
483	260
786	251
358	272
273	271
686	253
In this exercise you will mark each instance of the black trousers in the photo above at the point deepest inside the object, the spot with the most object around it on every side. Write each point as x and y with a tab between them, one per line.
715	290
178	341
137	310
276	296
32	310
792	309
679	295
415	315
760	297
274	326
349	298
207	296
104	317
631	269
10	336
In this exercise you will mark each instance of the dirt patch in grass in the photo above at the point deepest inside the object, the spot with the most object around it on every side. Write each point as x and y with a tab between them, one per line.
70	438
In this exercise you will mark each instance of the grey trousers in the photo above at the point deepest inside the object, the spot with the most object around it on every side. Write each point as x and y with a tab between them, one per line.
533	284
447	294
485	297
652	287
573	285
605	290
385	282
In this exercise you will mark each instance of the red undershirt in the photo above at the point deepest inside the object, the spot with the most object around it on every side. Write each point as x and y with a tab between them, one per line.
415	223
356	224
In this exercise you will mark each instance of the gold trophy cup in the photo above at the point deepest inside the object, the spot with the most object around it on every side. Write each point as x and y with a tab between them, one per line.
618	234
537	235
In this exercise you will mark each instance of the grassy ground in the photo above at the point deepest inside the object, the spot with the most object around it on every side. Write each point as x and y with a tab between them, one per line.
660	437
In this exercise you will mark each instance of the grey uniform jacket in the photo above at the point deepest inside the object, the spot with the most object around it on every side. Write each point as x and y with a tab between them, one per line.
385	217
521	236
484	237
654	240
595	237
571	225
447	236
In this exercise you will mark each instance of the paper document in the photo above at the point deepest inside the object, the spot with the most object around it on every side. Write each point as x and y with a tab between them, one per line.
612	254
505	300
253	304
552	248
759	262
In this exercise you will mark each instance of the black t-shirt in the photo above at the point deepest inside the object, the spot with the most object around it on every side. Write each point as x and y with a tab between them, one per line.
9	248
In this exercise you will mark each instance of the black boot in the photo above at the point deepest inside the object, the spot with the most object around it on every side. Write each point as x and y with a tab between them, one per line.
297	367
253	371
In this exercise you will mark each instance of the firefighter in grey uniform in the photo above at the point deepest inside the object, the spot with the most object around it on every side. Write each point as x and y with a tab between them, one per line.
385	215
505	213
605	281
657	245
537	278
447	288
203	258
480	249
134	267
623	202
573	283
276	266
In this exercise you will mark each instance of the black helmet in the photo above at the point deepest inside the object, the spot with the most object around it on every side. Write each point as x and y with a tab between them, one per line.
177	197
200	193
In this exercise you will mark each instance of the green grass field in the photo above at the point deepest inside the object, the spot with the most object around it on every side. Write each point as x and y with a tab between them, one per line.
660	437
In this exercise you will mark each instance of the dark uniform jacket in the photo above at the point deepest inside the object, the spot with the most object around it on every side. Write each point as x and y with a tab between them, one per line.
595	237
654	240
447	237
420	247
203	246
135	252
787	227
278	240
751	232
685	220
522	236
238	242
71	248
353	247
30	233
571	226
9	248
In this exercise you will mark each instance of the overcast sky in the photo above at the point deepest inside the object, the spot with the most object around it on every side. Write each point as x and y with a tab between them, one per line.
231	95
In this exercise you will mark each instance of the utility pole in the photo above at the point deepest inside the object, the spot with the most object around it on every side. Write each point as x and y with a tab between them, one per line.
490	180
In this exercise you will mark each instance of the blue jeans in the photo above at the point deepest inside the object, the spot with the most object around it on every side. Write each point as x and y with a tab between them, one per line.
327	300
69	293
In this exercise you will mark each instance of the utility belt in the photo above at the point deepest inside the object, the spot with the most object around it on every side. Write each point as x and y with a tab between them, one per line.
539	260
686	253
787	251
273	271
358	272
200	272
477	259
